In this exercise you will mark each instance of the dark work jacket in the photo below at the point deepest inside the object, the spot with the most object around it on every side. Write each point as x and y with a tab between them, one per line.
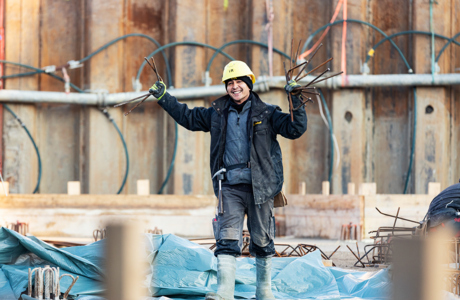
267	121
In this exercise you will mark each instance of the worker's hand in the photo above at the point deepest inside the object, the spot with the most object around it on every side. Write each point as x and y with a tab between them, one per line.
158	89
292	84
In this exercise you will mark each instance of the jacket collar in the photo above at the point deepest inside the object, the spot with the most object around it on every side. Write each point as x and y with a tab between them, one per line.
257	105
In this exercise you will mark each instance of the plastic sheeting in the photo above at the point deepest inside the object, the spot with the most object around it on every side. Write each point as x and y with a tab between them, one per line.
19	253
180	269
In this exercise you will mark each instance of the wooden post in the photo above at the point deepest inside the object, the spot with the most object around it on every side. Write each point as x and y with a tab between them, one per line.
368	188
326	188
143	187
4	188
302	188
434	188
417	268
73	188
351	188
125	262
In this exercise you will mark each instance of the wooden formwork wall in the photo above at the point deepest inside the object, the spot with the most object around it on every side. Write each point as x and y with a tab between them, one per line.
79	143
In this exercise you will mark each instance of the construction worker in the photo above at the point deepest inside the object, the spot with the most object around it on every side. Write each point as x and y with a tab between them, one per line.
247	159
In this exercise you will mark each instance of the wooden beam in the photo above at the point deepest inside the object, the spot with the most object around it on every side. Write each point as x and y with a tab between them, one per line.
434	188
143	187
368	189
351	190
73	188
126	261
418	272
326	188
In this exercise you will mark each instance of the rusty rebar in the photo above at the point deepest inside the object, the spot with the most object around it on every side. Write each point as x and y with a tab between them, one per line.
154	68
314	80
322	64
308	61
356	256
138	103
129	101
334	252
325	78
397	217
303	103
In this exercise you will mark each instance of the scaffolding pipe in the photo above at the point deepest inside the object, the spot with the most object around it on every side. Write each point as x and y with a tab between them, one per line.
263	84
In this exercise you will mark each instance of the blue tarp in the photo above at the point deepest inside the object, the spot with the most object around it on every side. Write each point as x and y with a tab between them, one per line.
180	269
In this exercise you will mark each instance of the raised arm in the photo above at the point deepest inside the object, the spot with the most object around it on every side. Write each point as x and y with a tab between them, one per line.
196	119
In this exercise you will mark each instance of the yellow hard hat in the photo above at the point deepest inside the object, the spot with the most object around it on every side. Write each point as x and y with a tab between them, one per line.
236	69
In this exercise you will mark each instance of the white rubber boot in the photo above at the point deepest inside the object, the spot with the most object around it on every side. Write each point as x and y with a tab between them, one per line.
264	280
226	268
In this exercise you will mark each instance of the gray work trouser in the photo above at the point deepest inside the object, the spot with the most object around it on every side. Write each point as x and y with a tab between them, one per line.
228	228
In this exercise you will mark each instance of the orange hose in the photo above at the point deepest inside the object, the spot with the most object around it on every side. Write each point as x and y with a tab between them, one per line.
306	53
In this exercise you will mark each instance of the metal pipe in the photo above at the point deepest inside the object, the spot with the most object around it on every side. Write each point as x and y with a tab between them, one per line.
263	84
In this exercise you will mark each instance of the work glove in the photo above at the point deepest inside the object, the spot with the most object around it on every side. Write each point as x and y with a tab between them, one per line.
292	84
158	89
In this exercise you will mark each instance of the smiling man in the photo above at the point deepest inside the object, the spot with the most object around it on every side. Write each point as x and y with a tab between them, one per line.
246	166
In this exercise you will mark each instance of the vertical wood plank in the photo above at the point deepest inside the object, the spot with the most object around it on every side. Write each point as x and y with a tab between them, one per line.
226	25
144	126
21	45
432	148
191	174
392	106
106	20
350	111
348	118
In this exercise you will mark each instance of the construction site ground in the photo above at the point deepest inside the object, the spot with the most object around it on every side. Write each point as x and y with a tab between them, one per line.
342	258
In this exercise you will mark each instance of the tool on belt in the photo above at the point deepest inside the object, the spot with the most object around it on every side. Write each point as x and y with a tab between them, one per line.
220	176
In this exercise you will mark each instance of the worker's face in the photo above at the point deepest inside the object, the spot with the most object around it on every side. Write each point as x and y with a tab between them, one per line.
238	90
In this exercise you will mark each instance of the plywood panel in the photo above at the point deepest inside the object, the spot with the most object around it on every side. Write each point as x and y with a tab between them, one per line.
312	150
226	25
412	207
392	126
106	155
21	45
321	216
191	173
422	44
350	111
432	146
455	95
350	129
59	144
144	127
282	35
77	216
60	40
